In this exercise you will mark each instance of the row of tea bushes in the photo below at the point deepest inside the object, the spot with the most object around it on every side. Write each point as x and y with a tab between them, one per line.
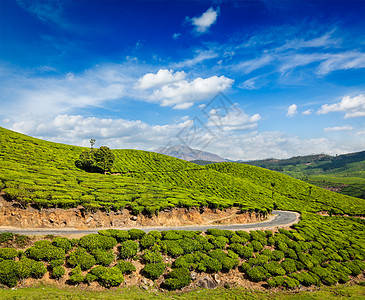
318	250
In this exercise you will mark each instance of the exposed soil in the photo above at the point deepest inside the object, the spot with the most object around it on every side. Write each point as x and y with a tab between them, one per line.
14	216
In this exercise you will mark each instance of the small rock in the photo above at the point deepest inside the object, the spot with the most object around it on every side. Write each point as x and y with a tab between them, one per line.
207	283
193	275
216	278
89	219
134	218
145	287
144	280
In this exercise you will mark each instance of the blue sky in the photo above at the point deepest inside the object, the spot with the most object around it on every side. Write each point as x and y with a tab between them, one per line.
243	79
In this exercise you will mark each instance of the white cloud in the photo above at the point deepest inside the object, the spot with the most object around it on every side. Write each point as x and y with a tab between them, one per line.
198	58
233	121
342	61
172	89
175	36
115	133
254	64
324	41
352	107
206	20
307	112
161	78
292	110
338	128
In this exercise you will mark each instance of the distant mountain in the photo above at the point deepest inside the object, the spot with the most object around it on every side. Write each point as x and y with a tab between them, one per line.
190	154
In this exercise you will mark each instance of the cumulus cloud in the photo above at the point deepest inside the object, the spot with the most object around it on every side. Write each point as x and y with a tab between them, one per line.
206	20
292	110
232	121
116	133
338	128
307	112
162	77
351	106
169	88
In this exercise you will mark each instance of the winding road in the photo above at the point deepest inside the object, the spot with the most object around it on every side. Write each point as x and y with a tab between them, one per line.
277	220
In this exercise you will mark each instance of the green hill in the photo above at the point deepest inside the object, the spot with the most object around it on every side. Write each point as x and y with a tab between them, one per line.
343	173
43	174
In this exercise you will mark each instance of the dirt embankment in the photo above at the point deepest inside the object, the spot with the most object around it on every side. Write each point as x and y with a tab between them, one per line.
13	216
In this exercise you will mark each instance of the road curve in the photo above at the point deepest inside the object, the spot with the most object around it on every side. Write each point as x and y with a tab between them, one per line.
279	219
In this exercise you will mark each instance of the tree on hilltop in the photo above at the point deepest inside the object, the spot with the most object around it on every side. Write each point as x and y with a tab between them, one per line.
96	160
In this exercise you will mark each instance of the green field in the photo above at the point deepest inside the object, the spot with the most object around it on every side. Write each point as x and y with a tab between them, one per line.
43	174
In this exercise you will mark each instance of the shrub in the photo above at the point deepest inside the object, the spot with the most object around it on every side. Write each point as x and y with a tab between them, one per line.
290	283
108	277
289	265
218	242
152	257
268	253
153	271
306	279
6	237
210	265
80	257
44	250
245	267
220	232
58	272
90	278
274	268
321	272
172	235
56	263
104	258
173	248
276	281
257	274
128	249
76	276
8	253
238	239
147	241
63	243
96	241
25	268
38	269
278	255
306	260
119	235
355	270
229	263
9	273
126	267
291	254
156	234
177	279
282	246
189	245
243	234
136	234
257	246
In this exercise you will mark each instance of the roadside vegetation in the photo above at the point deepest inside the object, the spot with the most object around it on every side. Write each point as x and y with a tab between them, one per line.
319	251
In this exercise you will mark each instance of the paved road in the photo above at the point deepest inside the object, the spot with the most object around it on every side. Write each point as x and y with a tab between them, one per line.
279	219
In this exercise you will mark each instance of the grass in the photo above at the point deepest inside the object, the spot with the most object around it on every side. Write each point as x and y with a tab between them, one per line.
43	174
54	292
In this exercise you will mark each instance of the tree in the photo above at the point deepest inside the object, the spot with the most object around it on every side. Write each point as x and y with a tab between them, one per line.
104	158
96	160
92	143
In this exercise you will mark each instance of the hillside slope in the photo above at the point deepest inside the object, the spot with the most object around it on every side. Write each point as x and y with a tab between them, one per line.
43	174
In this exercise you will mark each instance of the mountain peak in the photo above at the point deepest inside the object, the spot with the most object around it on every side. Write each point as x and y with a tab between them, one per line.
186	153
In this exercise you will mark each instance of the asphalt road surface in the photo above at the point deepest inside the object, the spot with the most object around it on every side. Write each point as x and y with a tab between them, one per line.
279	219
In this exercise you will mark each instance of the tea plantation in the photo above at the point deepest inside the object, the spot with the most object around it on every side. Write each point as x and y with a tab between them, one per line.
43	174
317	251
